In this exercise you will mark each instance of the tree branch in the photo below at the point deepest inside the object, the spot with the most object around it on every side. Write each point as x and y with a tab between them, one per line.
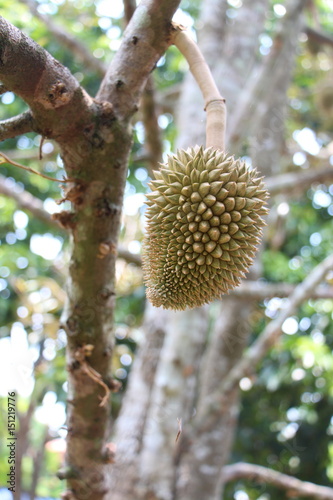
17	125
129	8
318	36
139	52
297	181
273	330
62	110
128	256
258	290
67	40
294	487
26	201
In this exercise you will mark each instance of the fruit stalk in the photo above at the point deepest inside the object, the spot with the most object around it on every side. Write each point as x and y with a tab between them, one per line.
214	103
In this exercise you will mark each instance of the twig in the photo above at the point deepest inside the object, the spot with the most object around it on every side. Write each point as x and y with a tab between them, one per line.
5	159
295	487
67	40
28	154
17	125
214	103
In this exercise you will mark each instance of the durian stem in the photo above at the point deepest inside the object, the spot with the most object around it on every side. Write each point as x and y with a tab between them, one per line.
214	102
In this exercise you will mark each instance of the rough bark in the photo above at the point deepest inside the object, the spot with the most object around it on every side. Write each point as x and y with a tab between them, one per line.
15	126
95	141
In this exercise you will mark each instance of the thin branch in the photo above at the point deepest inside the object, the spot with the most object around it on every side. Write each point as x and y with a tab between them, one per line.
67	40
4	159
17	125
293	486
273	330
297	181
318	36
167	99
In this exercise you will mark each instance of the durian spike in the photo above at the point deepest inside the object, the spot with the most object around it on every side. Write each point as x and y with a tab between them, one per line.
214	102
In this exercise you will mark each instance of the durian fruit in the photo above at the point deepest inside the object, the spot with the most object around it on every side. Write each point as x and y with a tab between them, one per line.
203	226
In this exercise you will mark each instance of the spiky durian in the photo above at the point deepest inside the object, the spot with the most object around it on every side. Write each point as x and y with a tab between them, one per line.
203	227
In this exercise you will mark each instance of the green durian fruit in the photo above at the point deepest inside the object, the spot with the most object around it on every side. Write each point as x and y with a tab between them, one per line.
203	226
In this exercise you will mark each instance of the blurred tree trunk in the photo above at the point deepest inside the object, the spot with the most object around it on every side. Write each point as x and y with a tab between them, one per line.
194	355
